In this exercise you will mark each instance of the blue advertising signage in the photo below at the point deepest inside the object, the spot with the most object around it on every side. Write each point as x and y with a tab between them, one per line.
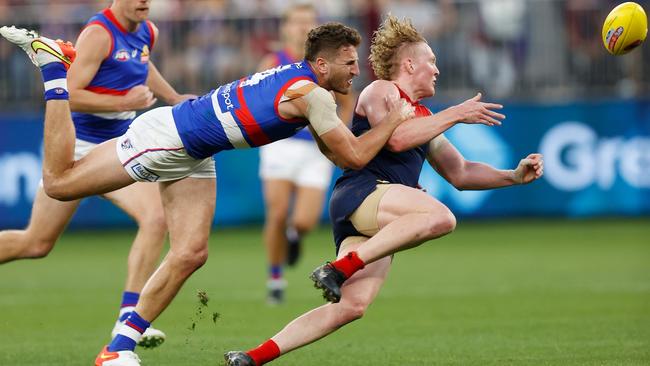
597	162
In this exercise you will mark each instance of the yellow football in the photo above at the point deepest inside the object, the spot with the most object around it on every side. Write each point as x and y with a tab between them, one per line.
625	28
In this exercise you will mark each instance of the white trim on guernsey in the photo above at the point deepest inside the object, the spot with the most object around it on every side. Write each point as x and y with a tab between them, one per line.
229	125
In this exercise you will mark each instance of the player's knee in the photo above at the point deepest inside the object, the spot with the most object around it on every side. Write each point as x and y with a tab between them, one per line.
54	188
439	224
153	221
190	258
276	217
40	248
353	310
303	225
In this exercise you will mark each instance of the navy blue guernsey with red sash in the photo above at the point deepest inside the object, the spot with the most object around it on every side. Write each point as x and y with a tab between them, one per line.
125	66
387	167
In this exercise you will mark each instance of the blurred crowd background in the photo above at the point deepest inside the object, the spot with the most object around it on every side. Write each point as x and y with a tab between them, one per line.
565	97
541	50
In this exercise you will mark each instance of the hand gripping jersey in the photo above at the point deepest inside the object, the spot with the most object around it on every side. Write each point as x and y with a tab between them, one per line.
126	66
403	167
240	114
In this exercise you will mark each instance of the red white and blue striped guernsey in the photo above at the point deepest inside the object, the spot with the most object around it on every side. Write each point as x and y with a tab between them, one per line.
125	66
240	114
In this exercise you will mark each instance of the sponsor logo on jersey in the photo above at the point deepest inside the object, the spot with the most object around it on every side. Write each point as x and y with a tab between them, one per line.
122	55
144	173
144	55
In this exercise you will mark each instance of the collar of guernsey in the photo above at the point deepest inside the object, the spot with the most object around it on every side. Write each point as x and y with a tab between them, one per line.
240	114
125	66
420	110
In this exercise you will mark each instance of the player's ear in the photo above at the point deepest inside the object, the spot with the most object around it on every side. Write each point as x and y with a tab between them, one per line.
407	65
322	65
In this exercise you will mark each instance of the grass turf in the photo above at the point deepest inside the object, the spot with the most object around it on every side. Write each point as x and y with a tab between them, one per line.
533	292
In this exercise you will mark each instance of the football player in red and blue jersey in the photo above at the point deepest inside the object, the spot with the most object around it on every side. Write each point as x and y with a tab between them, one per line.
174	147
111	78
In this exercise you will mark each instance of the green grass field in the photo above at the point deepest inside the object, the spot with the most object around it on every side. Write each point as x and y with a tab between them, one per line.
492	293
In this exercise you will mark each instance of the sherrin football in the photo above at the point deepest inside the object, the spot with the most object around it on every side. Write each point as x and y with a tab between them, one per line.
625	28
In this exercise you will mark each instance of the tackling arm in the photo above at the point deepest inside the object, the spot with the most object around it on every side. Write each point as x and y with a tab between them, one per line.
350	151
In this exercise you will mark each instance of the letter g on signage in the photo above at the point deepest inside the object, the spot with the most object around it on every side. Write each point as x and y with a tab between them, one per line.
568	161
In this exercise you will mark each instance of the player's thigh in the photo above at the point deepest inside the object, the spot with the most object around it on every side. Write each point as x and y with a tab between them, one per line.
277	195
400	200
49	217
98	172
140	200
189	207
308	205
364	285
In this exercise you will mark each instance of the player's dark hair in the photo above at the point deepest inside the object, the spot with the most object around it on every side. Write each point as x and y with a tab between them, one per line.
326	39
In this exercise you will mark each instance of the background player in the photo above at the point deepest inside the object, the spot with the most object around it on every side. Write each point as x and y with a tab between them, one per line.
381	201
295	175
174	146
111	77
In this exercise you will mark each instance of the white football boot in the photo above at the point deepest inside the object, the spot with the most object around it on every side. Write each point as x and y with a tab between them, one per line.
41	50
119	358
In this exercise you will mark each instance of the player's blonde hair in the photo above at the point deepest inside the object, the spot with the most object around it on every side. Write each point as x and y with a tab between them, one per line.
388	42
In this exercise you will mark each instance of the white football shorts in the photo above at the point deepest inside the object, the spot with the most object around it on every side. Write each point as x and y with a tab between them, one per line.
296	160
152	151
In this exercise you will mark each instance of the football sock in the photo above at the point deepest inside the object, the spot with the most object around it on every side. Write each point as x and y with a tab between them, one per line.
54	81
349	264
275	271
265	352
129	334
129	300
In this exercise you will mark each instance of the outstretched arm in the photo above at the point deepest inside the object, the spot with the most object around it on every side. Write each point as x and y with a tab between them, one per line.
464	175
420	130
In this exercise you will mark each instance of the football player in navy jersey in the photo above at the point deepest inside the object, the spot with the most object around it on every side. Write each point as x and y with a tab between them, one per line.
174	147
377	210
111	78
